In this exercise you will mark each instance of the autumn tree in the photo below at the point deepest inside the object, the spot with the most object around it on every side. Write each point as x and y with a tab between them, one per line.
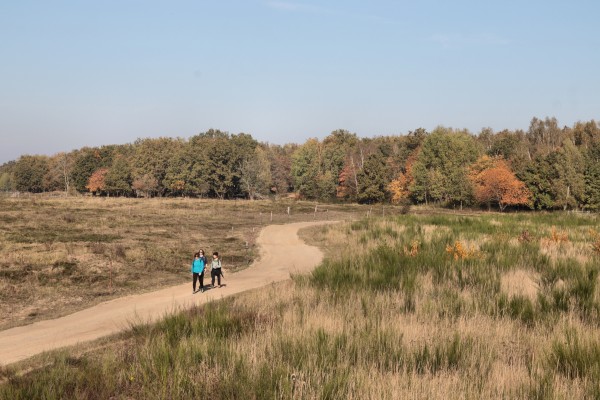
87	161
256	173
495	183
97	181
399	188
64	164
280	159
58	175
336	148
144	185
347	187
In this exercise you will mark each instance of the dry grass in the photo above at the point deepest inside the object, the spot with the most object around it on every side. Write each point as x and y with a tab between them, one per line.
468	335
520	283
59	255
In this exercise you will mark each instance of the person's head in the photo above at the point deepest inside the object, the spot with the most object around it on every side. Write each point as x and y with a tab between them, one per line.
196	255
216	255
201	252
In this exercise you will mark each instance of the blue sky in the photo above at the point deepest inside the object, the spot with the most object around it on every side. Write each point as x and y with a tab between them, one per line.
77	73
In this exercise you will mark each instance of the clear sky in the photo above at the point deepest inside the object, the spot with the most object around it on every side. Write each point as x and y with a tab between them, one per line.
77	73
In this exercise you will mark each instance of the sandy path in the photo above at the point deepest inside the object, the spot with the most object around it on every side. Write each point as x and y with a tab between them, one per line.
282	253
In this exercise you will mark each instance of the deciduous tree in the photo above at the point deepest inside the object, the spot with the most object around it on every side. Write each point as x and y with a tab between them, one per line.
118	178
145	185
592	176
97	181
306	167
495	183
444	157
256	173
371	180
29	172
399	188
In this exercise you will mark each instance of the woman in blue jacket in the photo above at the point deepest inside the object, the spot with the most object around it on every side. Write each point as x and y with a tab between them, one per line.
198	270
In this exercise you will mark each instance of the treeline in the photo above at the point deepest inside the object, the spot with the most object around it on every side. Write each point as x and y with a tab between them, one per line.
545	167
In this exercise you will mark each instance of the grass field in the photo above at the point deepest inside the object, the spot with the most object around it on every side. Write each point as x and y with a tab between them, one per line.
417	306
58	255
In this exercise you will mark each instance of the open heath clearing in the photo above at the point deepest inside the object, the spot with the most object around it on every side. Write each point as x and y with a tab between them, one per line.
416	306
59	255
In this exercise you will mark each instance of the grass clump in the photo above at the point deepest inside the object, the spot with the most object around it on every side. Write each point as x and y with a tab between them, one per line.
575	357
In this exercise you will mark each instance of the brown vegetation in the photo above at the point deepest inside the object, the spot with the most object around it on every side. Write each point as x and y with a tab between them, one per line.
59	255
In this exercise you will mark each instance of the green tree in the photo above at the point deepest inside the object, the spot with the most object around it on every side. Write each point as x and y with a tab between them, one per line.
512	146
256	173
372	183
436	185
87	161
538	176
544	136
306	168
181	176
569	185
153	157
29	172
585	134
449	153
6	182
118	178
214	162
592	176
336	148
243	148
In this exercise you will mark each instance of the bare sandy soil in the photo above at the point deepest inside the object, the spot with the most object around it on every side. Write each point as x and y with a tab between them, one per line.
282	253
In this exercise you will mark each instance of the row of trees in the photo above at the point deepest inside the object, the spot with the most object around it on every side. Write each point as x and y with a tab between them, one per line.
545	167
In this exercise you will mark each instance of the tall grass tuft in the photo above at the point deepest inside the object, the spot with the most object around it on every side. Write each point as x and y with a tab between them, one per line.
575	357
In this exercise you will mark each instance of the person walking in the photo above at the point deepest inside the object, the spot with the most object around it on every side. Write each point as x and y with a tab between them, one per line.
215	269
198	270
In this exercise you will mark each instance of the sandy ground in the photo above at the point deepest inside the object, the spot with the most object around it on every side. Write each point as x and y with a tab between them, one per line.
282	253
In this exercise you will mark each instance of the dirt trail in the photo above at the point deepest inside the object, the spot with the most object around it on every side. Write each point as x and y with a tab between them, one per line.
282	253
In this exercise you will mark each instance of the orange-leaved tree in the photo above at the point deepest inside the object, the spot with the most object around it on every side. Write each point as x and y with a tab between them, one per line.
399	188
494	182
97	181
347	187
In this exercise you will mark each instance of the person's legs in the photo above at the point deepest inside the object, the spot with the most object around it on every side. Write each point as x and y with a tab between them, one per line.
195	278
202	281
219	276
212	278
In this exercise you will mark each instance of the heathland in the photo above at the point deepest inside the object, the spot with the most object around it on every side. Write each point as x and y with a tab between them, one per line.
60	255
481	305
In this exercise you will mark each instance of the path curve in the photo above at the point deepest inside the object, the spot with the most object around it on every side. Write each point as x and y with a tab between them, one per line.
281	253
